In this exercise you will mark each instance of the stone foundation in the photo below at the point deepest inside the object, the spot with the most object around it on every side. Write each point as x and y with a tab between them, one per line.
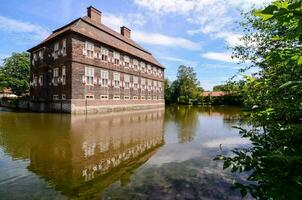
82	106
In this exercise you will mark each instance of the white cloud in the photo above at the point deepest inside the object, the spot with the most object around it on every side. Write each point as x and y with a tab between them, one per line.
115	22
131	20
164	40
15	26
215	18
219	56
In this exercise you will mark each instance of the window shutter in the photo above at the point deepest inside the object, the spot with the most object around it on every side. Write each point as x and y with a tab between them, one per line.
84	52
95	80
95	54
100	80
109	82
83	79
112	82
121	84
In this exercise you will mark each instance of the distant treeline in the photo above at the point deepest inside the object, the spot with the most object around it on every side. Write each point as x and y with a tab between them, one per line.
186	90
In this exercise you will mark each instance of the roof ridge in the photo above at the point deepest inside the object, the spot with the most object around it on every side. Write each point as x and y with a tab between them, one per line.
120	37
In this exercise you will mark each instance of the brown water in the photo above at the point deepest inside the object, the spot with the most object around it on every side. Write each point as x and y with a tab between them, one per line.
158	154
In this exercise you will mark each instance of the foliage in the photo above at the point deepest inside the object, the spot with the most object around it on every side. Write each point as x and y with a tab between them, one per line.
185	89
14	73
272	43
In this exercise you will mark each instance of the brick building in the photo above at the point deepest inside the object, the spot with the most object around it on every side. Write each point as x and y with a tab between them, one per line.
86	66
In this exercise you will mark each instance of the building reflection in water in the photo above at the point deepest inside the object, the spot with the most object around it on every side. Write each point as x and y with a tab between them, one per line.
82	155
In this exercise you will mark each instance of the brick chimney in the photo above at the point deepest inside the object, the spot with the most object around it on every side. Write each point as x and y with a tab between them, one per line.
125	31
94	14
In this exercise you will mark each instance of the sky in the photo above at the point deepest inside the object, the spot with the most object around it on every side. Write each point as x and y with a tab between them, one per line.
196	33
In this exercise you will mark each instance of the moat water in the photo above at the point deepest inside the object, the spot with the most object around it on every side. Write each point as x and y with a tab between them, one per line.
156	154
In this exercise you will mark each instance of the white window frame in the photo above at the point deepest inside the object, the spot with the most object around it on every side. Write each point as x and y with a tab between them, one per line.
135	65
56	50
143	83
105	54
116	57
104	96
135	82
63	75
41	54
126	81
89	47
116	79
89	74
55	97
55	76
41	80
126	61
64	47
116	97
104	78
149	69
135	97
149	84
143	67
89	96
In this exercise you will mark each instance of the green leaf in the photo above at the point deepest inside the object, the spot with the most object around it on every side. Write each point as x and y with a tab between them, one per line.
300	60
262	15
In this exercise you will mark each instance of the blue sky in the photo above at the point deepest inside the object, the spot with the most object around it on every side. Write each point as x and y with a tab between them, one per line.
196	33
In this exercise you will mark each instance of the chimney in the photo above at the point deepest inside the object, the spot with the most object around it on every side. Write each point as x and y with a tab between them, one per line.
94	14
125	32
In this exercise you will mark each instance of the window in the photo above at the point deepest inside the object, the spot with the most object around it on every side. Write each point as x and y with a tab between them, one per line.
105	54
63	97
35	80
154	70
64	47
149	97
135	82
55	97
135	97
135	64
126	97
143	97
63	75
127	81
55	76
116	57
35	58
149	84
89	49
116	78
116	97
104	97
89	73
143	83
149	69
89	96
41	80
56	50
104	78
126	61
143	67
41	55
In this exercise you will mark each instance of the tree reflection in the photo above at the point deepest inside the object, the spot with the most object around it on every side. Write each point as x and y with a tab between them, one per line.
186	118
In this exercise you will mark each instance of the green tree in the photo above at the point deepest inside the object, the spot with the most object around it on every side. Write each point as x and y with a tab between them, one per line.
187	84
14	73
273	43
185	89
